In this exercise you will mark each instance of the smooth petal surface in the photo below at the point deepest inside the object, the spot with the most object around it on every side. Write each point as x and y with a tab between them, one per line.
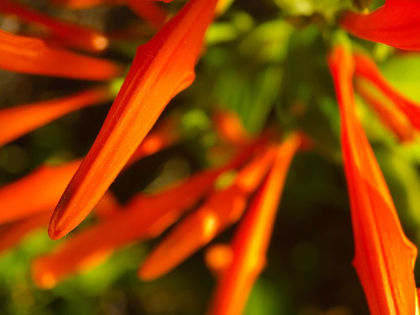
218	258
19	120
230	128
395	24
30	55
223	208
62	32
162	68
252	238
384	258
367	69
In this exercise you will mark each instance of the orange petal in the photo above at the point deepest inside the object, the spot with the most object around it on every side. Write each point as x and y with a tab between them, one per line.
391	116
384	258
108	206
36	192
62	32
366	68
15	232
19	120
149	11
144	217
218	258
223	208
395	24
162	68
252	237
30	55
230	127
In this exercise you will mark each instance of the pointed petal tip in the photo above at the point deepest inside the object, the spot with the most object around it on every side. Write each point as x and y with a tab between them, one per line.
55	233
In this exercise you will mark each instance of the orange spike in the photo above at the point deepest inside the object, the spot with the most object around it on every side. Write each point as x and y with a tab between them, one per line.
230	127
30	55
218	258
162	68
19	120
390	116
366	68
11	235
253	236
149	11
62	32
145	216
223	208
384	258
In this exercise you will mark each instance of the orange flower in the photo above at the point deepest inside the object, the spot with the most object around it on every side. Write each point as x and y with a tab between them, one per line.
223	208
145	216
61	32
19	120
387	112
253	236
384	257
395	24
30	55
44	186
162	68
365	68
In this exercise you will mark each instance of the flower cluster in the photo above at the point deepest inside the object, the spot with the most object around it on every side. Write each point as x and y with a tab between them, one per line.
244	187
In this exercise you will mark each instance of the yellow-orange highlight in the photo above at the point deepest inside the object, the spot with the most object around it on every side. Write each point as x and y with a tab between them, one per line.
384	257
162	68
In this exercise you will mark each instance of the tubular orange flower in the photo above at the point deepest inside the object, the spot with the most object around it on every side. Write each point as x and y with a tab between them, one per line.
218	258
145	216
396	24
30	55
387	112
384	257
162	68
223	208
62	32
19	120
253	236
230	128
44	186
367	69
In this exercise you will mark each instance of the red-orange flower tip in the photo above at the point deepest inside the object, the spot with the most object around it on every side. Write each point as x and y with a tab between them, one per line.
162	68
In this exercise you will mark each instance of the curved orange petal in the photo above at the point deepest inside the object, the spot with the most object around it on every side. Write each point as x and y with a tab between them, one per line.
63	32
162	68
366	68
19	120
84	4
30	55
389	114
252	238
384	258
395	24
223	208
